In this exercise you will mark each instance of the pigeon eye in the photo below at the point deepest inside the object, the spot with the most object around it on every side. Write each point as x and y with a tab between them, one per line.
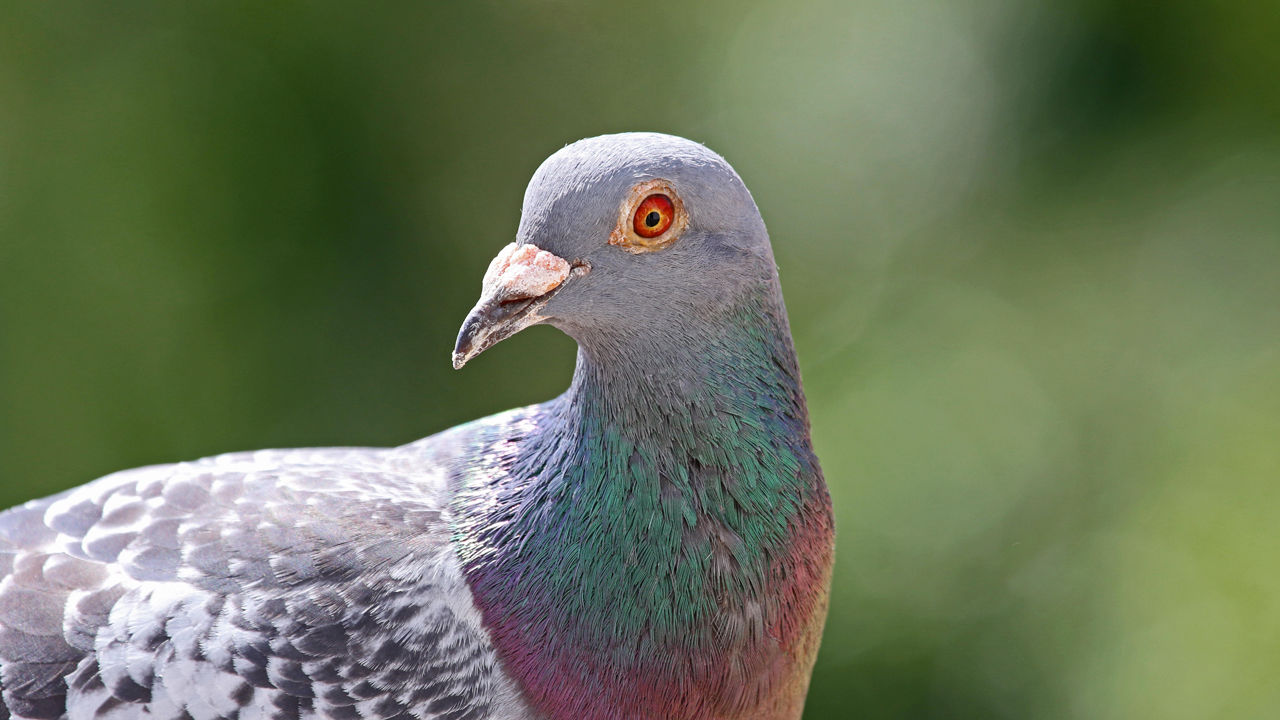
653	216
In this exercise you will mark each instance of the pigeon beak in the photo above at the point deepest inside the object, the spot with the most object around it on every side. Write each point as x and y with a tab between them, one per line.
517	285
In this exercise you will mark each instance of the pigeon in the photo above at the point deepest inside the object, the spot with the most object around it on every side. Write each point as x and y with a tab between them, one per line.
655	543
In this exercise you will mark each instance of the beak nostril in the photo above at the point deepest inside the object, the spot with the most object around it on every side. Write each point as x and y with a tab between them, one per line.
524	271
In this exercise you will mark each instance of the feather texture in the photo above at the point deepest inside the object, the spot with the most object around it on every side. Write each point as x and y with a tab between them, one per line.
276	584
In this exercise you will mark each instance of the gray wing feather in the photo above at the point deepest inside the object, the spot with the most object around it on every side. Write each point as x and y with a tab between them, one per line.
276	584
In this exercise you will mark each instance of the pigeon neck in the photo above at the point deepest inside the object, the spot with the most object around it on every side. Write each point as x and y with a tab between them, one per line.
631	540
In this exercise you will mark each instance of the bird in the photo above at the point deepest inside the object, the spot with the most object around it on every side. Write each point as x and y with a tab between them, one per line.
656	542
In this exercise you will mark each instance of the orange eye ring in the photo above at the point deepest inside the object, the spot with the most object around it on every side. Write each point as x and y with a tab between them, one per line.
653	216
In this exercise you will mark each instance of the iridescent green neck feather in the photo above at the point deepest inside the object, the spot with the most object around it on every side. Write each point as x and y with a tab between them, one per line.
655	542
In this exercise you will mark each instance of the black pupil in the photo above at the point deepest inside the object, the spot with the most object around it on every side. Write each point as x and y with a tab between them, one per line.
652	219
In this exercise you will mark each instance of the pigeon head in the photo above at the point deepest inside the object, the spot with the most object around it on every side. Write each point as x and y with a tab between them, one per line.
623	234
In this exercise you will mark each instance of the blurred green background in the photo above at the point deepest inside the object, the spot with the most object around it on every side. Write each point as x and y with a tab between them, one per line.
1031	254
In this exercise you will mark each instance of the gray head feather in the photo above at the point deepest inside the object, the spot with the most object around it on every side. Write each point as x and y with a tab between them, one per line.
572	206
